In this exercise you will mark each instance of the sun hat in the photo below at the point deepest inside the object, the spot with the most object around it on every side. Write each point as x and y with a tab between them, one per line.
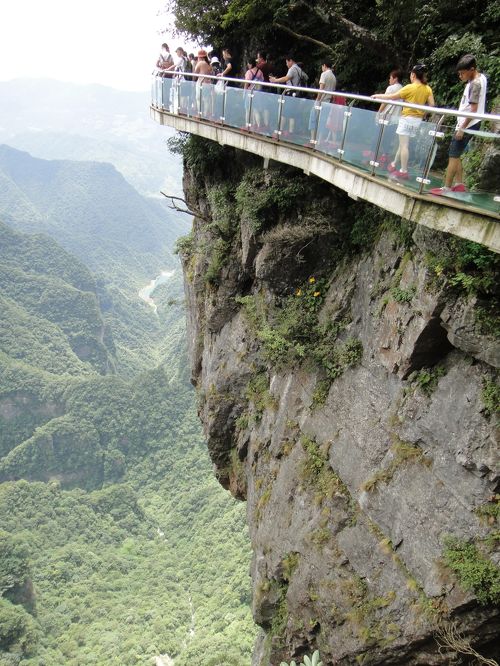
202	53
214	60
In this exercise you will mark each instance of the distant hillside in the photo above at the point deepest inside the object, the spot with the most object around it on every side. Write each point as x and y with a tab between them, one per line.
91	210
116	542
92	123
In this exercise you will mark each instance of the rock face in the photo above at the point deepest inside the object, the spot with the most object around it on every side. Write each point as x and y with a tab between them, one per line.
355	422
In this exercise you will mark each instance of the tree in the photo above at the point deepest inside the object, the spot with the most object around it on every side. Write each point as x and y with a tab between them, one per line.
394	32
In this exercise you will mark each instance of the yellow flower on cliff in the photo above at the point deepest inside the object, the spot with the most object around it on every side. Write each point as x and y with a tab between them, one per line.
317	293
312	280
298	292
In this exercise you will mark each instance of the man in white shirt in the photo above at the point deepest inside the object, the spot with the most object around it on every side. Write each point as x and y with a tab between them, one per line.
327	82
474	101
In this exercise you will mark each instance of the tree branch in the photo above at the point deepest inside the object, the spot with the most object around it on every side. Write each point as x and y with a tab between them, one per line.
305	38
448	636
194	213
365	36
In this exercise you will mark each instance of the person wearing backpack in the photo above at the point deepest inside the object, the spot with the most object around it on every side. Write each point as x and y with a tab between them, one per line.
252	76
165	61
294	77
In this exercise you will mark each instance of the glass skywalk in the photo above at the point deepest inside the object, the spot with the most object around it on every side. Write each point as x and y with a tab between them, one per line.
355	136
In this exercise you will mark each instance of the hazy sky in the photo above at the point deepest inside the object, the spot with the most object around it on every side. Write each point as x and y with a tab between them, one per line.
113	42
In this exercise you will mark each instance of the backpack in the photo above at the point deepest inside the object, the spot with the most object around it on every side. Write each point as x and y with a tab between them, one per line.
188	67
217	68
303	78
303	81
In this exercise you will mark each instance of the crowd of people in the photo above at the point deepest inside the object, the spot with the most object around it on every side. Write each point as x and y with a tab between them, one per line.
260	70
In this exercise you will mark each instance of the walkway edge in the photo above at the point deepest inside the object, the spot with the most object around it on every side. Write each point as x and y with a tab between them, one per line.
474	225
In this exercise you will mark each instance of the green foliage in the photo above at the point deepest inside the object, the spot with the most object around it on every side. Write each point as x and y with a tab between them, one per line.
218	257
14	567
403	295
200	155
257	392
185	245
335	360
291	331
475	572
262	196
320	393
289	563
122	560
471	162
489	512
370	222
224	219
490	396
488	318
427	379
317	474
437	33
18	631
281	614
465	266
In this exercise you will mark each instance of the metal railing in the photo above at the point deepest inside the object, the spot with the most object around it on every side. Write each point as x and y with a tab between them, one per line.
332	124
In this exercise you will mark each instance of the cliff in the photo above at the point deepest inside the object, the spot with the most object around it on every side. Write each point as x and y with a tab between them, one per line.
345	365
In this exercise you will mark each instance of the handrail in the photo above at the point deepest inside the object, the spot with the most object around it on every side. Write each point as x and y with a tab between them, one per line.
495	118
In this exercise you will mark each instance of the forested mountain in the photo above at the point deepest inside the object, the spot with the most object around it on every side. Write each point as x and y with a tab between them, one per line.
116	543
92	123
91	210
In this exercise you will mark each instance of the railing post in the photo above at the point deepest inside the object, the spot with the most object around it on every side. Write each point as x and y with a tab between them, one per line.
199	98
249	111
347	114
281	101
178	85
224	93
424	180
314	138
374	163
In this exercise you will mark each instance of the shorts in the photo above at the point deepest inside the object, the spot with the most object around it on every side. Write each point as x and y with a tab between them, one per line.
457	146
408	126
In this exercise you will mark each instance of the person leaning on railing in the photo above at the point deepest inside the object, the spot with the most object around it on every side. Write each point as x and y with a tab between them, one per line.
416	92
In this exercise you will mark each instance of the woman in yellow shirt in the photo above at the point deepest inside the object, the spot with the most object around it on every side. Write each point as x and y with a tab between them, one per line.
416	92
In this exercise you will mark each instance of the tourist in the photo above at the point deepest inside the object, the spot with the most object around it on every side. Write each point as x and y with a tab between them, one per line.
474	101
215	63
228	63
264	65
328	83
291	78
388	114
416	92
202	67
165	60
252	76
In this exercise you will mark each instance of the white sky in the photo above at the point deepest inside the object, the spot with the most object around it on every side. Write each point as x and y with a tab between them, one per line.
112	42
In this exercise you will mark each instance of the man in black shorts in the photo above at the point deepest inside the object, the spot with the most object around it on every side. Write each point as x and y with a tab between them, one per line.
473	100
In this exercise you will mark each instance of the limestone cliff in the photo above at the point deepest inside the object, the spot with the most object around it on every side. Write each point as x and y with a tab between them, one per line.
346	371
